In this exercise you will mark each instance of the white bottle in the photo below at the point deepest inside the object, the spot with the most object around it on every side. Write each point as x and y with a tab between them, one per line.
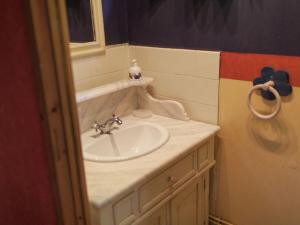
135	72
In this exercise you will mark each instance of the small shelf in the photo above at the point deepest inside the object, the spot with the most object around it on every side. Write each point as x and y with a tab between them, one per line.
111	88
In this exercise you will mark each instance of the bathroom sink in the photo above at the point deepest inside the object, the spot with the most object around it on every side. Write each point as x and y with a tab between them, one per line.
127	142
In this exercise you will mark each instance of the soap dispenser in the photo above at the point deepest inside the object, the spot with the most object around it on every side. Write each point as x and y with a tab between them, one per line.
135	72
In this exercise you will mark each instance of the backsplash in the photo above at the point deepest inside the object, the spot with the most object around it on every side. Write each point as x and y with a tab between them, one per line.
96	70
172	70
175	69
122	103
122	98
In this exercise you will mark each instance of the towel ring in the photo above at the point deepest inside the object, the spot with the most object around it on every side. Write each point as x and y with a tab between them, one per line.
268	86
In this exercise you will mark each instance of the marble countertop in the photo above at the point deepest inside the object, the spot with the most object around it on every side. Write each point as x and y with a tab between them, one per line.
107	181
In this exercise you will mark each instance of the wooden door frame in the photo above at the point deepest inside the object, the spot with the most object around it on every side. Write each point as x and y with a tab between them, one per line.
51	58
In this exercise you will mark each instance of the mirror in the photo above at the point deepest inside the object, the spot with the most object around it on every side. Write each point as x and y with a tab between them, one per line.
86	30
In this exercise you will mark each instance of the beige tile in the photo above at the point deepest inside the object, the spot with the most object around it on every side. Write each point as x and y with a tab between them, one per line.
107	78
208	64
200	90
91	82
200	112
150	59
84	67
188	76
178	61
81	85
197	111
113	59
166	60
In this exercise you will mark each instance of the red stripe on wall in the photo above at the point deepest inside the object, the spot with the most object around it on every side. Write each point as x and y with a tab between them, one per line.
240	66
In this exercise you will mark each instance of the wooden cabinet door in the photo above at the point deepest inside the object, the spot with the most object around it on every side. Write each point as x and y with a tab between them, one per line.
191	206
157	218
203	199
184	207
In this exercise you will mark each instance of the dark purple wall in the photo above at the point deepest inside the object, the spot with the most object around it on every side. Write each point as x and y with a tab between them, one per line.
80	21
115	21
260	26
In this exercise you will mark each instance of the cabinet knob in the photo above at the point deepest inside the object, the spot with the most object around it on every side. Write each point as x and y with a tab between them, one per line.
172	179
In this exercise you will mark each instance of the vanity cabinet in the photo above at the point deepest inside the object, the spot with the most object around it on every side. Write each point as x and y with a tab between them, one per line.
177	195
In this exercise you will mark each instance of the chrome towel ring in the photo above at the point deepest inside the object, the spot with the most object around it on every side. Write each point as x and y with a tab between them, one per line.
268	86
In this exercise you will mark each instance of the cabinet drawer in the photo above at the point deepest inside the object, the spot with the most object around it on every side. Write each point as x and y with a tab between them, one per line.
160	186
154	191
203	155
183	170
124	211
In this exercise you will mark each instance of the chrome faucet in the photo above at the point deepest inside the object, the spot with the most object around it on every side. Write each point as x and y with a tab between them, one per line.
107	126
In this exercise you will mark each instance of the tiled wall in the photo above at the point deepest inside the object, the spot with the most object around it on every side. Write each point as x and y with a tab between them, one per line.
101	69
189	76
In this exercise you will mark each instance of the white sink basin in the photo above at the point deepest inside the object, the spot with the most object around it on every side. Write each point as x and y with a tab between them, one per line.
128	142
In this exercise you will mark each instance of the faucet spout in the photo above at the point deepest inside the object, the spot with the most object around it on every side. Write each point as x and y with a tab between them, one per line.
108	125
117	120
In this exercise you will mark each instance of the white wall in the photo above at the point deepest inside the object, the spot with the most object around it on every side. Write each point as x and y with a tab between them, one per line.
189	76
101	69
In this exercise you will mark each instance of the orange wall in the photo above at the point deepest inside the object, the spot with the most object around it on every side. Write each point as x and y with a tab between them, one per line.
258	172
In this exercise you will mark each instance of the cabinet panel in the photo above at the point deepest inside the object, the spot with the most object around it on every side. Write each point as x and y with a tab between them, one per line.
183	170
184	207
203	198
160	186
203	155
154	191
124	211
157	218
